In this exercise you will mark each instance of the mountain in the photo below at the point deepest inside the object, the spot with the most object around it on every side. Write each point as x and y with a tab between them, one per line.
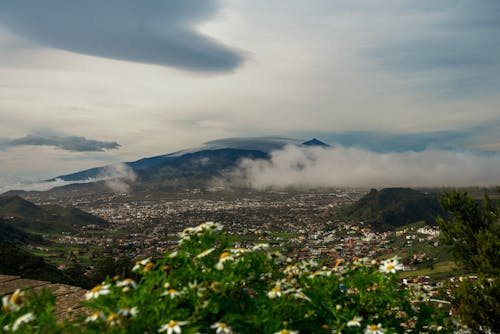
27	216
393	207
191	167
10	233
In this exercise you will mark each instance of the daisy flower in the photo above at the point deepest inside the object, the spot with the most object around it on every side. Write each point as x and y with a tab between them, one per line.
14	302
222	328
128	312
140	264
354	322
205	253
97	315
390	265
223	258
275	292
172	293
99	290
173	326
286	331
127	282
113	320
374	329
24	319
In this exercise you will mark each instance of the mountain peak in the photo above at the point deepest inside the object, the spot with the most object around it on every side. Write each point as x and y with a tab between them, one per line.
315	142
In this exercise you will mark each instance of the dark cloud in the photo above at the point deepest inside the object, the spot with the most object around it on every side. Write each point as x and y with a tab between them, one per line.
69	143
159	32
454	42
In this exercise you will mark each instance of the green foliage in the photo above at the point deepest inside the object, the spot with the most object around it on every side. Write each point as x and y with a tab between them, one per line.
473	232
208	286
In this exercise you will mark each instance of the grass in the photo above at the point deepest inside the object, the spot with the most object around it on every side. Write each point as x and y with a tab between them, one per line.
439	270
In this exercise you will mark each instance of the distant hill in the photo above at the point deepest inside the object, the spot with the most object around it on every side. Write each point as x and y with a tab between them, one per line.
46	219
12	234
394	207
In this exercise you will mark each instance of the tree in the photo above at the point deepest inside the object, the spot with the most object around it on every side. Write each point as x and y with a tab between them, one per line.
473	232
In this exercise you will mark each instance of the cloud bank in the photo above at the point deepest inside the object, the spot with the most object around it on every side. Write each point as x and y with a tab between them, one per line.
162	32
118	178
68	143
351	167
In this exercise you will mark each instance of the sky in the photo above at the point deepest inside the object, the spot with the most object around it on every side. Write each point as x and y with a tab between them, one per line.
91	83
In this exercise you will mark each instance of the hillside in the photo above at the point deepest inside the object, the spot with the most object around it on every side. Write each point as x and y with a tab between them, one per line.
394	207
12	234
45	219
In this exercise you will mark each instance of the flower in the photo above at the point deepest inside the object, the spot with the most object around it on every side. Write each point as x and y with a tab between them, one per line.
173	326
140	264
102	289
275	292
286	331
14	302
222	328
97	315
374	329
390	265
127	282
128	312
24	319
205	253
354	322
172	293
223	258
260	247
113	320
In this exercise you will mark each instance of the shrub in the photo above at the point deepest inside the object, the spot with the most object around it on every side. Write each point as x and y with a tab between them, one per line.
208	286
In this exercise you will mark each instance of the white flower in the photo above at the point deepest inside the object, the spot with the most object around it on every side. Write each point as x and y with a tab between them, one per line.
286	331
14	302
173	254
205	253
374	329
260	247
222	328
140	264
97	291
24	319
128	312
97	315
300	295
390	265
127	282
223	258
275	292
172	327
113	320
356	321
172	293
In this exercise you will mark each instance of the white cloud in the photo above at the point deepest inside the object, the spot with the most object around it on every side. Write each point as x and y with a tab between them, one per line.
342	167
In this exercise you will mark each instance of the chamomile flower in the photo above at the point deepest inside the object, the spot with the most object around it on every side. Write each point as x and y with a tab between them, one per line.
140	264
226	256
205	252
97	315
98	290
14	302
260	247
128	312
127	282
222	328
354	322
112	320
390	265
172	293
275	292
172	326
286	331
24	319
374	329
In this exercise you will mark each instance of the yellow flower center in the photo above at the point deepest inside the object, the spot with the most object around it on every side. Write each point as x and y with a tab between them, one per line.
172	324
222	325
96	288
373	327
390	267
148	266
172	291
16	299
275	289
224	255
285	331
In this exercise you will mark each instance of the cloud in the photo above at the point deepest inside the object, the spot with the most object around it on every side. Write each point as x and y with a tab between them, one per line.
118	178
351	167
69	143
162	32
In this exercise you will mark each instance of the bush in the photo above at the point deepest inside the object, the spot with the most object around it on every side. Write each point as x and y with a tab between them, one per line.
207	286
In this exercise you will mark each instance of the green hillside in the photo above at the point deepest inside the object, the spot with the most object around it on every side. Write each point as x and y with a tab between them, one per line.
45	219
393	207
